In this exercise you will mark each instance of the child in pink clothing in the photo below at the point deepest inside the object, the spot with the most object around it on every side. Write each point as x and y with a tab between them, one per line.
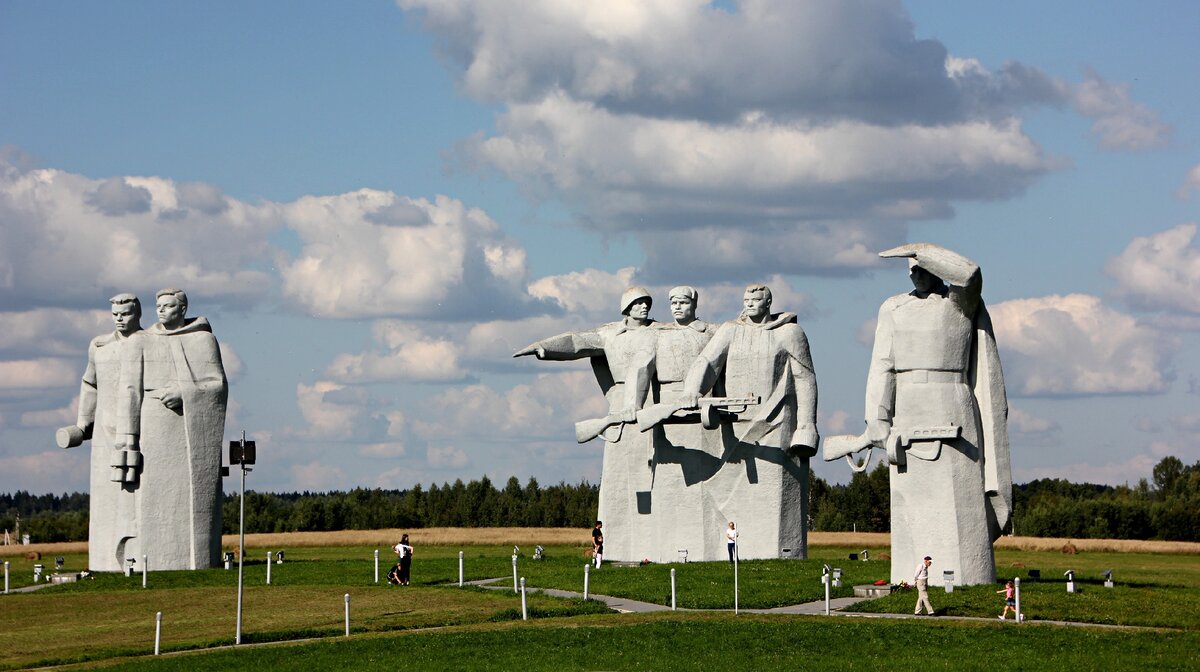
1010	599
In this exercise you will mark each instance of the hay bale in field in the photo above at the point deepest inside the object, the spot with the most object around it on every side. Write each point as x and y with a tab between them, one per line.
33	555
1018	564
884	556
1070	549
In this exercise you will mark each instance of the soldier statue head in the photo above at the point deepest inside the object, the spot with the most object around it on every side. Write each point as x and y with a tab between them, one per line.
126	313
171	305
683	304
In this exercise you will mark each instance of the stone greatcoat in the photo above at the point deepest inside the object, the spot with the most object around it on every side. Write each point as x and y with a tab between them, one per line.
179	493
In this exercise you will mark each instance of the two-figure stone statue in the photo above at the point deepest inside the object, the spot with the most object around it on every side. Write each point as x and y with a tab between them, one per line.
935	403
161	400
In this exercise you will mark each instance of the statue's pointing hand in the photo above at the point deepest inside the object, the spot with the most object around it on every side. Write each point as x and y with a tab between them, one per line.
534	350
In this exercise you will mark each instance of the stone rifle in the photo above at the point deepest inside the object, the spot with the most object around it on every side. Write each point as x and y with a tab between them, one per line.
656	414
896	444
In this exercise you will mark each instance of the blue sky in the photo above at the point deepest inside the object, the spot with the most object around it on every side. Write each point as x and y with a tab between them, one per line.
375	203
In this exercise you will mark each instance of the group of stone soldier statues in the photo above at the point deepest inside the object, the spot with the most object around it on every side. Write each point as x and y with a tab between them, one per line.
712	423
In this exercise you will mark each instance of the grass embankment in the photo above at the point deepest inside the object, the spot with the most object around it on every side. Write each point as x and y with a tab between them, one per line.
706	642
113	616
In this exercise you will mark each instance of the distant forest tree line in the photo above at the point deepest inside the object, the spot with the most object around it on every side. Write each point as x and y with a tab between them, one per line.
1167	507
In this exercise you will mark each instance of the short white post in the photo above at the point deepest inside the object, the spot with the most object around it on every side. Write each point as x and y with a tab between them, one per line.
145	568
524	608
377	565
735	578
268	568
460	569
587	574
157	631
347	614
825	577
514	572
672	589
1017	586
5	577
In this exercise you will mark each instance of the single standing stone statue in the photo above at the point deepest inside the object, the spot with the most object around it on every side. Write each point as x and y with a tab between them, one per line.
112	520
171	410
766	447
936	404
620	354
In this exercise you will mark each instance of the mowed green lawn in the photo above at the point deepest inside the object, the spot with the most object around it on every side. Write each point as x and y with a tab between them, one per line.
440	626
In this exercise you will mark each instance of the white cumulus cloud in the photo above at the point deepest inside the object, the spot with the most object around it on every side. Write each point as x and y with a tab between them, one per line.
1160	272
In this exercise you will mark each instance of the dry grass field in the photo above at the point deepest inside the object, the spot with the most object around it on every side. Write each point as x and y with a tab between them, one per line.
567	536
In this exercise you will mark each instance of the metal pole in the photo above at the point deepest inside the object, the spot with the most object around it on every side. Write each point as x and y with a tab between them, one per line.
157	631
587	573
460	569
672	589
347	614
514	572
241	542
5	577
268	568
377	565
735	577
1017	585
524	609
145	568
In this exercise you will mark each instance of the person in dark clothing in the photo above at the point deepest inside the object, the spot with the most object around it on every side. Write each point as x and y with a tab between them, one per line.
404	552
598	543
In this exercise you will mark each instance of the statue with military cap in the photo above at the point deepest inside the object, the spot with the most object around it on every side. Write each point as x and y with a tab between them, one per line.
620	353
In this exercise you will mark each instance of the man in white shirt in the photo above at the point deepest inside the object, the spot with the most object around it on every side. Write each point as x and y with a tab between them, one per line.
922	580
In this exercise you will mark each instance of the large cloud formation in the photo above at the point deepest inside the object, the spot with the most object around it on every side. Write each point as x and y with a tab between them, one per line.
759	136
1160	272
1074	345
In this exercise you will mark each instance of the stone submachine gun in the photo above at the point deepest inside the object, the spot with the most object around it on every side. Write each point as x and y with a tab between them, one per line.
897	445
655	414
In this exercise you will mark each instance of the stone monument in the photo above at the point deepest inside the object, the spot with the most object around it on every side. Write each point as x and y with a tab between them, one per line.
679	465
112	515
170	422
620	354
936	404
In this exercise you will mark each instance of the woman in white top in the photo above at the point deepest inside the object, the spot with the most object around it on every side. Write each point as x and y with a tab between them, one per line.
731	535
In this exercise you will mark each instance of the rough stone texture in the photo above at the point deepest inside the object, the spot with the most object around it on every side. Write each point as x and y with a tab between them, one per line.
112	514
677	484
172	408
934	366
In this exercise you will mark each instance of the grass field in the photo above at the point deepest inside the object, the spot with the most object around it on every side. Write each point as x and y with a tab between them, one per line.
110	620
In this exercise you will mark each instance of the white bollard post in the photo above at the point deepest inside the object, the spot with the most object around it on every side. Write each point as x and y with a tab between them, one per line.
145	568
157	631
460	569
514	572
1017	595
5	577
672	589
735	578
377	565
347	614
524	608
268	568
825	580
587	573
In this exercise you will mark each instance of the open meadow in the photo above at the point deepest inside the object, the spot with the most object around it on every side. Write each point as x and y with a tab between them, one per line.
437	625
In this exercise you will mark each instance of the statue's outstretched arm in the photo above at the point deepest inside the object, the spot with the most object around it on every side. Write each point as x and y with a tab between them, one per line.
568	346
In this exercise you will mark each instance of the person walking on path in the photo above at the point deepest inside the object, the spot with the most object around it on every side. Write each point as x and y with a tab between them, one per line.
404	553
922	580
1010	599
731	535
598	543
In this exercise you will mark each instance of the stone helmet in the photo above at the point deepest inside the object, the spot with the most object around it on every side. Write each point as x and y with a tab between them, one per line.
631	295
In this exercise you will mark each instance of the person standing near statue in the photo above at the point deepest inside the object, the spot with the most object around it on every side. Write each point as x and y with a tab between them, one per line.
598	543
921	578
111	515
731	537
404	554
171	409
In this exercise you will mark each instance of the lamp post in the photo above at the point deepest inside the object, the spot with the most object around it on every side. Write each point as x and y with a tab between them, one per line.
241	453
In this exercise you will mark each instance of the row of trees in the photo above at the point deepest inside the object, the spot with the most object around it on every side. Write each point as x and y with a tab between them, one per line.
1167	507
